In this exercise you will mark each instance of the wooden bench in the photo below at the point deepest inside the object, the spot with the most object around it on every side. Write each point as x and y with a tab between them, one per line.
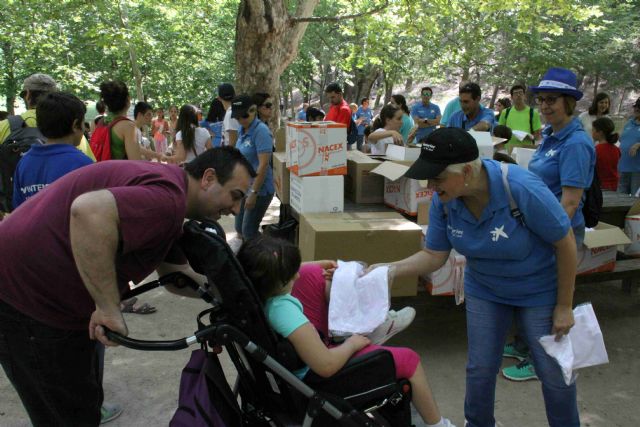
627	270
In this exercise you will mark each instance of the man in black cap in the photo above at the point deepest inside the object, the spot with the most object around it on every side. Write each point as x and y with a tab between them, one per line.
230	126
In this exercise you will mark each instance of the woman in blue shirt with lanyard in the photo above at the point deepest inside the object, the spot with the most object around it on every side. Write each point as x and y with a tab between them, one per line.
565	161
521	263
255	142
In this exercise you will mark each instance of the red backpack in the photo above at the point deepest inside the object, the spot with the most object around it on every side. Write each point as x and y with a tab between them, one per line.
101	139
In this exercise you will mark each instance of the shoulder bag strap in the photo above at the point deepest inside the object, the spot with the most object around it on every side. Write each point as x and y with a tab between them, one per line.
515	211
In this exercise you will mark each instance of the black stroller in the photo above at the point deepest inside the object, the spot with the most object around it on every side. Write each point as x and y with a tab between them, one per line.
363	393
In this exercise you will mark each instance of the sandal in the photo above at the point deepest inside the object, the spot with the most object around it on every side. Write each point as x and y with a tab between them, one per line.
141	309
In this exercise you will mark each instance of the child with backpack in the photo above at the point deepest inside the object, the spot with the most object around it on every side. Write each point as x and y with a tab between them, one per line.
60	118
607	153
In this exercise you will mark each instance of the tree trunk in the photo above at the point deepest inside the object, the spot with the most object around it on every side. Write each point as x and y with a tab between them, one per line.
494	95
408	85
596	83
623	95
466	74
365	78
266	43
388	88
10	82
133	57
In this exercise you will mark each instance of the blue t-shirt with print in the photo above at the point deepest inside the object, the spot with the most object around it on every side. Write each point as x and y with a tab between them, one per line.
460	120
257	140
422	111
42	165
367	115
507	262
285	314
630	135
566	159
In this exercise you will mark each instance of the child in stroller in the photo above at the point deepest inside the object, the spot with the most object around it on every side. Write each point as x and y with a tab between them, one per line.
296	305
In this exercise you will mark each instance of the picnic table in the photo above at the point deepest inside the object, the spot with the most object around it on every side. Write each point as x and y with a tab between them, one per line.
615	207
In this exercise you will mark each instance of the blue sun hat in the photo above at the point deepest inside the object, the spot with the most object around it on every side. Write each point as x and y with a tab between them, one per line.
559	80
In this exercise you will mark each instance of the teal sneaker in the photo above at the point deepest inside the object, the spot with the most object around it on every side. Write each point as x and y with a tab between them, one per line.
523	371
511	351
109	412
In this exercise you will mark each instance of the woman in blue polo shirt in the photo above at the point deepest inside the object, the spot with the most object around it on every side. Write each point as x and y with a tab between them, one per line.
521	263
255	142
565	161
629	165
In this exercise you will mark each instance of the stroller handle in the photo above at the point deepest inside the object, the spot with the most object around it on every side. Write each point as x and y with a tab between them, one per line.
149	345
170	345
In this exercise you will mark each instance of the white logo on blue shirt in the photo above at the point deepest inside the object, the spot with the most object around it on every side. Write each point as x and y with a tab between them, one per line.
551	153
454	231
497	233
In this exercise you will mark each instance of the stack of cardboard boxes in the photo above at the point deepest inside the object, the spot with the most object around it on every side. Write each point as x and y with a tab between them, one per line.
316	156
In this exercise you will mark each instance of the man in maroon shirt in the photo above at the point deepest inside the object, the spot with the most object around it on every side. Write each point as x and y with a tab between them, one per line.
68	254
339	111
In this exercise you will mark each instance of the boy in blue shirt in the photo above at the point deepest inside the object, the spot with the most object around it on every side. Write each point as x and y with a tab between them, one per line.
60	118
363	118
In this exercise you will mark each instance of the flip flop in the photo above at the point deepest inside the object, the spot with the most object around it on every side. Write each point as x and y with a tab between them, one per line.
141	309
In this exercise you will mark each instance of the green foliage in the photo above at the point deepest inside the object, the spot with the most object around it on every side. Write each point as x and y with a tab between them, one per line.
183	49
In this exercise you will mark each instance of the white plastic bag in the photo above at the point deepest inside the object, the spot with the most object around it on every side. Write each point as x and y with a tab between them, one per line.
357	304
582	347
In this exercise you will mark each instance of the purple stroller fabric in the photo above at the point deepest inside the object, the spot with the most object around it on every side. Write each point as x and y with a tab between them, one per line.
195	406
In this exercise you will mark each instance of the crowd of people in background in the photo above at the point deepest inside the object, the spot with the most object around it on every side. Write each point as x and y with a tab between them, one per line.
571	149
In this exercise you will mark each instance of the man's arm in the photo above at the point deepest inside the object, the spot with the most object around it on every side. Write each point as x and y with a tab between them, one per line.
167	268
94	235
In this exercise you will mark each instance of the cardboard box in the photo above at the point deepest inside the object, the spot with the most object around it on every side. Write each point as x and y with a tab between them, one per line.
397	152
598	252
423	213
632	230
522	155
400	193
360	185
372	237
485	143
316	193
316	148
443	281
280	138
281	176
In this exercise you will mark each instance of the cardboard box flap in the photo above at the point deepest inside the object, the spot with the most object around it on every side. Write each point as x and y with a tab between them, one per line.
360	157
605	235
391	170
635	209
281	156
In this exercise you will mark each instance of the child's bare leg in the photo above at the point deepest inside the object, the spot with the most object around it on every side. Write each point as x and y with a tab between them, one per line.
422	398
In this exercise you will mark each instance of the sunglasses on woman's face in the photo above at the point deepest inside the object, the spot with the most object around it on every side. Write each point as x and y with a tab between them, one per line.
267	105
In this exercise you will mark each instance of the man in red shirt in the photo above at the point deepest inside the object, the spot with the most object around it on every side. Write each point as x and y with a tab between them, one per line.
68	255
339	112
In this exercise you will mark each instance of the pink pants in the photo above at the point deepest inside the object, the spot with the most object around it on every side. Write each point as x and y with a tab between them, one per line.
310	290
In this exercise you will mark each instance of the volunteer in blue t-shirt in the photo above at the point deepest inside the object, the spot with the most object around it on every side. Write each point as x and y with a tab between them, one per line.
629	165
521	263
255	142
425	114
473	115
565	160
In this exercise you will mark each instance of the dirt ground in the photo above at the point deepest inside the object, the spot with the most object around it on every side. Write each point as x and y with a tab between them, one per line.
146	383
